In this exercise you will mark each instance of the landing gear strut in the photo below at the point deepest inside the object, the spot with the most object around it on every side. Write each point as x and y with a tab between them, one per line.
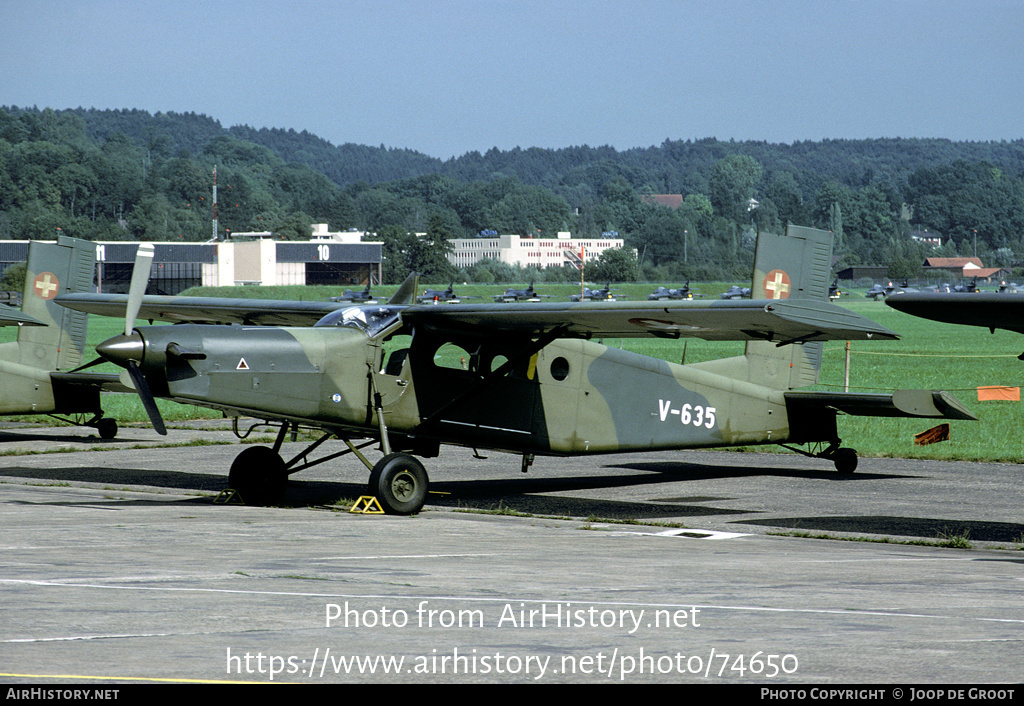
260	476
106	426
844	459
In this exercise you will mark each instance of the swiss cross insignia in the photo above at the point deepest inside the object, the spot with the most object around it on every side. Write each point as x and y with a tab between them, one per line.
46	285
777	285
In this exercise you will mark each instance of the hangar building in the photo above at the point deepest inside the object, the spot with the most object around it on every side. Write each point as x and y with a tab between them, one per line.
329	258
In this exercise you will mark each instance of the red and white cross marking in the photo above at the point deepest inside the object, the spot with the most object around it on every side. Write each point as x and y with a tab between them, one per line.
777	285
46	285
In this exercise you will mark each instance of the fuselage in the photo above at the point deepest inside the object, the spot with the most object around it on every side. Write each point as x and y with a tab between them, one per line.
568	397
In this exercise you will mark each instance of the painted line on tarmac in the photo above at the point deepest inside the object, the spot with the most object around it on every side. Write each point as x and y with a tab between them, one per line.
531	601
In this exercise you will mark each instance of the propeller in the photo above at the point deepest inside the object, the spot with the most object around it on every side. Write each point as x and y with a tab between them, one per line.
127	350
137	289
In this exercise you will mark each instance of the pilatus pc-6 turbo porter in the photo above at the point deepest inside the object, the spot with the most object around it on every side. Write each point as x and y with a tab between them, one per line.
527	378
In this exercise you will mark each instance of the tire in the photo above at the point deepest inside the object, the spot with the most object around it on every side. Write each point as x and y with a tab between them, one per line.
399	482
845	460
257	474
107	427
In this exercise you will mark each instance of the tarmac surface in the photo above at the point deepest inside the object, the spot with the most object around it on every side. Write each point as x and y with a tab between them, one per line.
119	566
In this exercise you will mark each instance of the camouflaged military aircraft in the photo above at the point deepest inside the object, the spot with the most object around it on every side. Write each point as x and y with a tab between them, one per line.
663	293
520	295
441	296
990	310
37	373
527	378
362	296
594	295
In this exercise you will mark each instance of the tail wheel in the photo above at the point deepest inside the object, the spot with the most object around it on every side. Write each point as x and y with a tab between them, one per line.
107	427
845	460
258	475
399	482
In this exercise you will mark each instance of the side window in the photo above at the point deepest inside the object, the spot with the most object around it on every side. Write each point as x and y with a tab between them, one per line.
496	362
454	357
479	358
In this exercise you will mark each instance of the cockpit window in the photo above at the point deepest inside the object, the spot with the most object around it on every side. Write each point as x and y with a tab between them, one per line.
371	320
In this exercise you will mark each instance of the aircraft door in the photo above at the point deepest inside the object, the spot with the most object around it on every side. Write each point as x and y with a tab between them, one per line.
478	391
392	376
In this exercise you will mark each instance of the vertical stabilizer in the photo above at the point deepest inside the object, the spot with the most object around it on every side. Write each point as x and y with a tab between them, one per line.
797	265
55	268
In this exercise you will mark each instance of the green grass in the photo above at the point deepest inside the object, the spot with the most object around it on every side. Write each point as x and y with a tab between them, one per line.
929	355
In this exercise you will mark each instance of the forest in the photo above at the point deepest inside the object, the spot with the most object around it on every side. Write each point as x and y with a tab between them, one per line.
133	175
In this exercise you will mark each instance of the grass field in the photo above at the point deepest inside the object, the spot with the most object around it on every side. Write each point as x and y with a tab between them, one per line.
929	355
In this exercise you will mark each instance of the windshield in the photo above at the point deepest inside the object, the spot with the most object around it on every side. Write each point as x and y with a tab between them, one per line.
371	320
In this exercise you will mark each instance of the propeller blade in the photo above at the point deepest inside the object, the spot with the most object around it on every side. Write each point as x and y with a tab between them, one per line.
137	290
142	387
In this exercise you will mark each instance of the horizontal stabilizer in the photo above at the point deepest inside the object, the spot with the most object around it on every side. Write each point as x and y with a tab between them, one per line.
9	316
901	403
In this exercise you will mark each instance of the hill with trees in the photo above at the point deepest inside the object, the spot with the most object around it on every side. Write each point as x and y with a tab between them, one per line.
132	175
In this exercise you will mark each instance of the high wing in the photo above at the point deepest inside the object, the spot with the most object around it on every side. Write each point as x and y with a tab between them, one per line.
216	310
206	310
725	320
989	309
9	316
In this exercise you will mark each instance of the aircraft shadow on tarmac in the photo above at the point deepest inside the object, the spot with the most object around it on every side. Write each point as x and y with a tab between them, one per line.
523	494
537	494
10	437
533	494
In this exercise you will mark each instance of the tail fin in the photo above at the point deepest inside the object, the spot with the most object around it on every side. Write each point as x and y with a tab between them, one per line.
406	293
55	268
796	265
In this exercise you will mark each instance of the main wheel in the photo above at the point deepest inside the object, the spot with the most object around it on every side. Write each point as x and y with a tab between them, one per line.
258	475
845	460
399	482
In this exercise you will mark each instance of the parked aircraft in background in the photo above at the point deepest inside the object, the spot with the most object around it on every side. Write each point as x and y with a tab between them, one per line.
520	295
594	295
362	296
989	310
735	292
441	296
664	293
38	371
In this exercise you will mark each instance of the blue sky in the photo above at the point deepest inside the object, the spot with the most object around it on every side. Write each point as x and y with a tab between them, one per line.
445	77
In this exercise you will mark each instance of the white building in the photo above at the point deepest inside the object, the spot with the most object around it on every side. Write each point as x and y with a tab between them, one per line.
538	252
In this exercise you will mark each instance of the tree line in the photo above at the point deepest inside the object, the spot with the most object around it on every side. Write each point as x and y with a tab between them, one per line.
132	175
